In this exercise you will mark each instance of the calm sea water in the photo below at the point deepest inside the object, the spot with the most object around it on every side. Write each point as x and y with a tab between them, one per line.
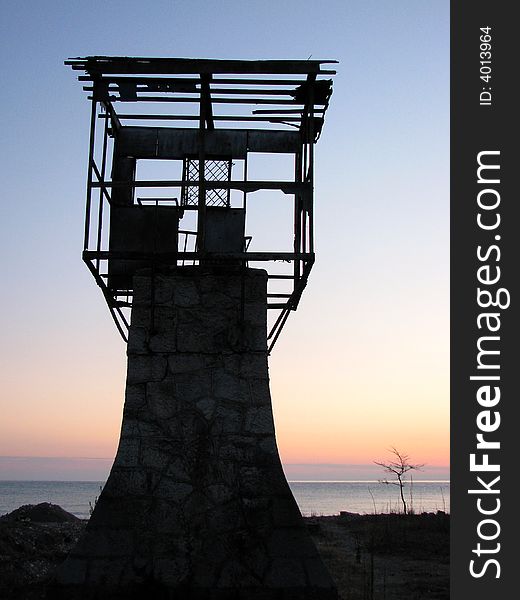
313	497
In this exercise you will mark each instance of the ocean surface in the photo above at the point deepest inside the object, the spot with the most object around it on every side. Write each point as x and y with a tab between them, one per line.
313	497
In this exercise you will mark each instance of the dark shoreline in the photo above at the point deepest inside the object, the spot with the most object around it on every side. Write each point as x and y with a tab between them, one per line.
371	557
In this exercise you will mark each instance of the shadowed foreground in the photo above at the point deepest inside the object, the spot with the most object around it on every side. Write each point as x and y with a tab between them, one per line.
371	557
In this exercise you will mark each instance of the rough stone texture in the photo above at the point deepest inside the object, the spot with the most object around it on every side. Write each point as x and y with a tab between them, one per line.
197	506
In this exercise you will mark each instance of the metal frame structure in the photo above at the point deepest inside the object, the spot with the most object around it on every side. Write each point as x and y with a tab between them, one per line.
204	110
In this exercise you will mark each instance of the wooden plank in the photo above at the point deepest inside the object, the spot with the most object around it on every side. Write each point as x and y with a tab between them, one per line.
142	87
196	100
283	111
143	65
158	117
174	80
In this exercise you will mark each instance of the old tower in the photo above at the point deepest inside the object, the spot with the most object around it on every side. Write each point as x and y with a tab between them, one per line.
177	223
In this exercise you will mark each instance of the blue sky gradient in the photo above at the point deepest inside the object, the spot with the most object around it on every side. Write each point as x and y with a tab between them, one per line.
363	364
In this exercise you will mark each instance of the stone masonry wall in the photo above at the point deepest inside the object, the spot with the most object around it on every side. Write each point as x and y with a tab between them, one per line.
196	505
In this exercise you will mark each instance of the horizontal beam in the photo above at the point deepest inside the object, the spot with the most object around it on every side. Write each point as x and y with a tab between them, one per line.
141	87
191	80
196	100
148	117
124	304
174	256
141	65
177	143
288	187
318	112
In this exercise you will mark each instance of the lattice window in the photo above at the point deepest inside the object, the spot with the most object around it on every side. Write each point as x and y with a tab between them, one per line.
214	170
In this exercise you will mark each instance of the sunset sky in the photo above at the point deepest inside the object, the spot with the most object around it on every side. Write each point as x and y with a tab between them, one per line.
364	363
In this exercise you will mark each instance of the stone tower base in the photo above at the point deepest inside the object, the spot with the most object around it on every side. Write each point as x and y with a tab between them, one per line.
197	506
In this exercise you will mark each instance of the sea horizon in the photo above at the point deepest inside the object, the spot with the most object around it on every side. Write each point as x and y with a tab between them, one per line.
314	498
288	480
53	468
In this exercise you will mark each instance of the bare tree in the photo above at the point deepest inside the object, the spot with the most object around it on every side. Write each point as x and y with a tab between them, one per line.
399	467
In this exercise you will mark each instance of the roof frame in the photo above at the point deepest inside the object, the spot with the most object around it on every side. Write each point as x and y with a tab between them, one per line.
193	83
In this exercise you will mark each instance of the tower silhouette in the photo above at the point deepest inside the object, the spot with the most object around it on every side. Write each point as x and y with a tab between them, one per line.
197	505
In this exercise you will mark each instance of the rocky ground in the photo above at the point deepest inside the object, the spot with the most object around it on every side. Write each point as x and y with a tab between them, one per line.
371	557
33	541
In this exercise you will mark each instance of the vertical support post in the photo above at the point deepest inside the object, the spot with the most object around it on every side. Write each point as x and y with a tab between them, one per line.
205	119
297	213
303	245
101	190
201	212
230	165
310	175
90	169
244	193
